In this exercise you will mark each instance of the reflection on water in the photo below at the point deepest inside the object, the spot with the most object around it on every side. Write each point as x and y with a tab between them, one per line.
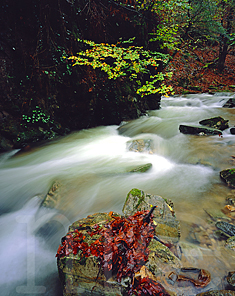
91	166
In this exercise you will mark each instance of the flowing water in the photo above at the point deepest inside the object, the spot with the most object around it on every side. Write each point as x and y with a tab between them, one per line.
91	165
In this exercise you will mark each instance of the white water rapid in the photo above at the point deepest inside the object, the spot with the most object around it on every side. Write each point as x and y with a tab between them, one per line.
91	166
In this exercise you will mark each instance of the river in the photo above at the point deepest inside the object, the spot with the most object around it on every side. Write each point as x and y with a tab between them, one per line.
91	166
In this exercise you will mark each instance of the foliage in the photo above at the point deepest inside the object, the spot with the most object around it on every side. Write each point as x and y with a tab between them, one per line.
121	246
37	116
132	62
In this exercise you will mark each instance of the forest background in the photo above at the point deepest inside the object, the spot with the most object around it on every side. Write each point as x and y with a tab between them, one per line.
71	64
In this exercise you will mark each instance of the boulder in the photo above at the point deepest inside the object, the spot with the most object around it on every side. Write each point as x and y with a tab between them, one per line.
167	226
228	176
199	130
216	122
230	103
82	270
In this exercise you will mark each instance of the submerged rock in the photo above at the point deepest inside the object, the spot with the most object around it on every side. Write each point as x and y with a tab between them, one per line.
216	122
199	130
167	226
141	169
140	145
53	196
228	176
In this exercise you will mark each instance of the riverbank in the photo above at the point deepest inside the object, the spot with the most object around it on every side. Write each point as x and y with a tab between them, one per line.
194	71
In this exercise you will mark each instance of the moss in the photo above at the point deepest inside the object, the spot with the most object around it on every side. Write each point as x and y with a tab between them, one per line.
136	192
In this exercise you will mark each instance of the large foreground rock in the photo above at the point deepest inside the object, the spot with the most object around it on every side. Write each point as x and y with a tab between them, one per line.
198	130
83	276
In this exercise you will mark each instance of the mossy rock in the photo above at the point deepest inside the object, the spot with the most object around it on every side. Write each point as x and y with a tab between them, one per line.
167	226
216	122
141	169
229	177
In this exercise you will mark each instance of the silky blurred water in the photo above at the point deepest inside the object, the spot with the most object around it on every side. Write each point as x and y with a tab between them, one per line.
91	166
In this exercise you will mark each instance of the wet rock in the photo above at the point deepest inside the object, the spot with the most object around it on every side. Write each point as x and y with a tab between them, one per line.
216	122
217	293
163	253
228	176
140	145
230	103
167	226
231	278
161	259
199	130
232	130
227	228
230	243
53	196
199	235
141	169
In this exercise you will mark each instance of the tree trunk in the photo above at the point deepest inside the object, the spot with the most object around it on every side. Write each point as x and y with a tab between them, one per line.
224	42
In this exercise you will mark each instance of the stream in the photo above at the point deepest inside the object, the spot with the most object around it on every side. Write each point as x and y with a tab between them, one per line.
91	166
